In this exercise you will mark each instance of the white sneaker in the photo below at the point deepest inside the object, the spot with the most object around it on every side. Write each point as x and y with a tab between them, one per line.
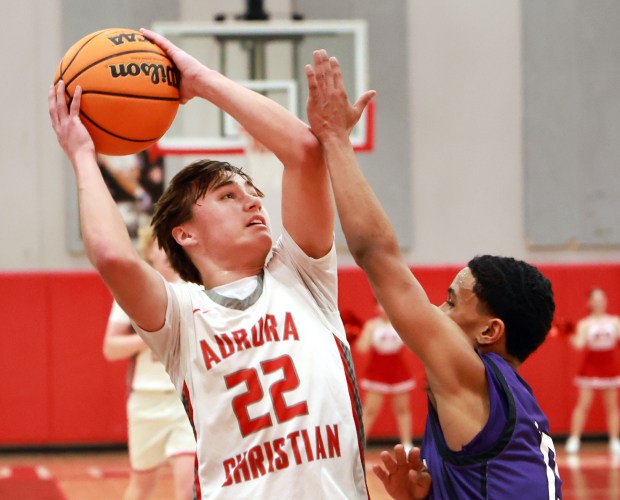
572	445
614	446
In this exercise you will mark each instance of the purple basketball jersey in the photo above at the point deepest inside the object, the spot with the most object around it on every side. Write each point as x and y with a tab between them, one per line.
511	457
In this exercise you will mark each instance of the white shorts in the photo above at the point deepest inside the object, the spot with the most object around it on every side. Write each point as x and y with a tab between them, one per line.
158	429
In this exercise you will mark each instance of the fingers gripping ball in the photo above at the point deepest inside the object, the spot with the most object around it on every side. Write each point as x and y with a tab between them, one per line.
130	89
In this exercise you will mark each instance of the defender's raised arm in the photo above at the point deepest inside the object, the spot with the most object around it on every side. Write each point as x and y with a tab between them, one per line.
455	373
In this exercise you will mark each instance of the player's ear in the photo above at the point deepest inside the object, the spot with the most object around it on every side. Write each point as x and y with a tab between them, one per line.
183	236
495	330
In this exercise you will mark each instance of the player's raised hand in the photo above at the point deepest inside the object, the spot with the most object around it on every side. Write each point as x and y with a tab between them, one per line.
328	107
403	475
70	131
191	69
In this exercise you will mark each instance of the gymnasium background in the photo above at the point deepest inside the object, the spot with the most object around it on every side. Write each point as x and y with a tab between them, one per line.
496	132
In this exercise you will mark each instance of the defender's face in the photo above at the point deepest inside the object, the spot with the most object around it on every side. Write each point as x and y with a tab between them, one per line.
463	307
231	224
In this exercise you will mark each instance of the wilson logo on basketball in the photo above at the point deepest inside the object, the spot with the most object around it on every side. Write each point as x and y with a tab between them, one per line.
158	73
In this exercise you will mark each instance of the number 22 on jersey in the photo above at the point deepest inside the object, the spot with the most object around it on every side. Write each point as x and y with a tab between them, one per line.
288	381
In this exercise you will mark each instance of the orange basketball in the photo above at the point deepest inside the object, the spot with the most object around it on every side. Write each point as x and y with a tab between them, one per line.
130	89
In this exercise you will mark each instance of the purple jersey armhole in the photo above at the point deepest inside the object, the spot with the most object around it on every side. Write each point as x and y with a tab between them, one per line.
467	458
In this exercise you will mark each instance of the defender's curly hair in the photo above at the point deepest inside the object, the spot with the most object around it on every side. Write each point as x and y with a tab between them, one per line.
518	294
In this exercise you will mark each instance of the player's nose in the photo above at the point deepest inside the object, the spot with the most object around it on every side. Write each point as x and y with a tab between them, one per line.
252	202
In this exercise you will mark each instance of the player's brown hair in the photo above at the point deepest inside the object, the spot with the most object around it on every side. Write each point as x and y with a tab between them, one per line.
176	206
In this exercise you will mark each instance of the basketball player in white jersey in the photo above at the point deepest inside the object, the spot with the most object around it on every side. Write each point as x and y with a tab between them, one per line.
262	354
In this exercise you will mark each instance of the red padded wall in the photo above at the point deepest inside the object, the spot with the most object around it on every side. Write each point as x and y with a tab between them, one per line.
58	390
87	393
25	367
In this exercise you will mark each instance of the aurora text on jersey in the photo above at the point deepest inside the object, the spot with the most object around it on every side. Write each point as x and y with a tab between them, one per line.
229	343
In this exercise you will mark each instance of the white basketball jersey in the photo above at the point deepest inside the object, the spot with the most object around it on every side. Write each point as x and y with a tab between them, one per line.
270	382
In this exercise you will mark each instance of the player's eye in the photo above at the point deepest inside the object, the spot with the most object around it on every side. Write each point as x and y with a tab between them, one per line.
449	302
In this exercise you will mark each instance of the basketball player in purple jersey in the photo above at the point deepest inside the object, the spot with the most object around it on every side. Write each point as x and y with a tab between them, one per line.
486	436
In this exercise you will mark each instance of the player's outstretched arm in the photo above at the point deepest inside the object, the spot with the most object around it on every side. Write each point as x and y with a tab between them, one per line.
368	231
134	284
267	121
403	475
307	204
455	372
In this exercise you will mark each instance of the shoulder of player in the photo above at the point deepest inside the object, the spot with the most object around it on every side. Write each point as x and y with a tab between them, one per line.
185	293
186	286
285	263
465	377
